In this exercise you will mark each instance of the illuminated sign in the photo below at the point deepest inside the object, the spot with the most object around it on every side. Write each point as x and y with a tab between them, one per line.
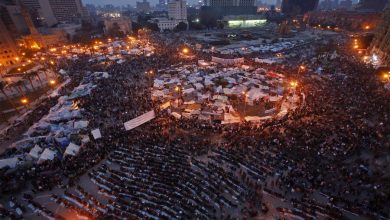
246	23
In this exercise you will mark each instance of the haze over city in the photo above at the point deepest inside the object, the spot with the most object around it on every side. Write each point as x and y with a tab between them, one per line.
228	109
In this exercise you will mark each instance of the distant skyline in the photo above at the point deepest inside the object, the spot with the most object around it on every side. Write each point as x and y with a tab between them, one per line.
133	2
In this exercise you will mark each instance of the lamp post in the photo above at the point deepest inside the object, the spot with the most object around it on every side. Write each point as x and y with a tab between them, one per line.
386	76
24	102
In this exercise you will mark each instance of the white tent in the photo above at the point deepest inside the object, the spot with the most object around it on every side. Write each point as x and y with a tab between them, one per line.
176	115
80	124
72	149
35	151
46	155
96	133
229	119
9	162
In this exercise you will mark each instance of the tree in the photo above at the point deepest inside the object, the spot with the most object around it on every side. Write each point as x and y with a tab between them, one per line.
2	89
135	26
181	27
115	31
18	85
28	77
153	27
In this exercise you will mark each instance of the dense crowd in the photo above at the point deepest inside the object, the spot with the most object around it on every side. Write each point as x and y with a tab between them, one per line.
327	158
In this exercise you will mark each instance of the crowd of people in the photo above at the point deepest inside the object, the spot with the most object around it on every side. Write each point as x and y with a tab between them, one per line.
326	158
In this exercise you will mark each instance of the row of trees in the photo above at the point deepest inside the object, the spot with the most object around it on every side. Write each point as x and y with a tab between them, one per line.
18	85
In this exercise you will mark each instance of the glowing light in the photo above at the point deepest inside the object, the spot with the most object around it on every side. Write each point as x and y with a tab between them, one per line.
367	27
52	82
53	49
24	101
185	50
19	69
35	46
293	84
52	62
302	67
17	58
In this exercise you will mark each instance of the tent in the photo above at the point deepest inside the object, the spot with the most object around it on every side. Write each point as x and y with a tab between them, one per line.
80	124
72	150
96	133
47	155
35	151
9	162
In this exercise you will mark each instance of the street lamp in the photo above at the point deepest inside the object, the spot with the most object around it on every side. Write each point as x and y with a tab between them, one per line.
52	82
386	76
24	102
186	51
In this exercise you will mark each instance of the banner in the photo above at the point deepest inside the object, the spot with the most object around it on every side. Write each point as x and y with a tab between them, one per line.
165	105
227	61
139	120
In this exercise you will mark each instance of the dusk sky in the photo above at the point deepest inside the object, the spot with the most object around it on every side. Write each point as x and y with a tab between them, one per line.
132	2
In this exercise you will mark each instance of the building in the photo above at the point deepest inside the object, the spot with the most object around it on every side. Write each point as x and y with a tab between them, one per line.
177	13
343	20
243	21
143	7
50	12
222	8
380	47
37	40
67	11
13	20
177	10
371	5
122	23
346	4
229	3
298	7
8	50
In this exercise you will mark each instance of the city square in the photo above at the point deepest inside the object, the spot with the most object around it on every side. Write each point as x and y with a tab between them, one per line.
256	122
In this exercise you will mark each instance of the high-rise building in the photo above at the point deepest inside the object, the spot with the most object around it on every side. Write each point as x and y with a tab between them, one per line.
345	4
177	10
229	3
8	51
66	10
220	8
143	6
380	46
298	7
374	5
50	12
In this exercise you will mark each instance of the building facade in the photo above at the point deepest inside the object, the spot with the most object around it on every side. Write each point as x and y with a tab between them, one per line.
345	20
177	10
50	12
298	7
8	50
371	5
229	3
123	23
143	7
380	46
